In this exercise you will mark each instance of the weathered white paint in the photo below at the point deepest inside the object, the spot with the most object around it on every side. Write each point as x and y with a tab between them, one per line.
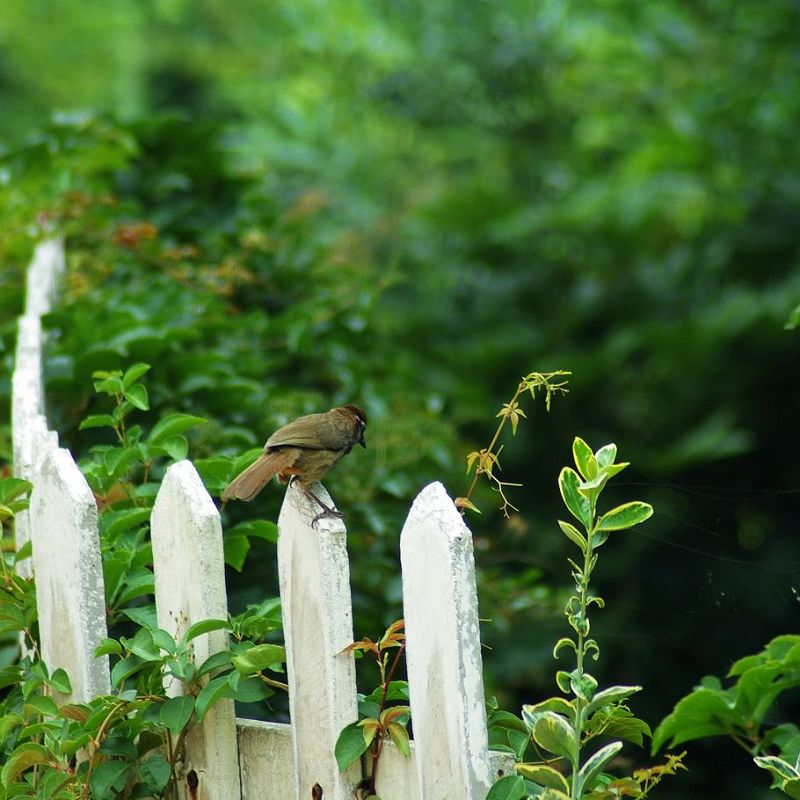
397	775
189	568
35	442
443	650
69	575
44	272
314	574
27	395
266	760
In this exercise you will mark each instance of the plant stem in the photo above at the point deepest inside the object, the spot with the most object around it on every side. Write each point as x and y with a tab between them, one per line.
377	743
580	703
490	448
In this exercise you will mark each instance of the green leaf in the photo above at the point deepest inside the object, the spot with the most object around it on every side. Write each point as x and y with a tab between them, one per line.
584	459
24	552
108	647
554	734
260	657
144	616
106	775
164	641
23	758
258	528
139	582
155	772
133	374
40	704
625	516
786	776
605	455
578	505
136	395
108	382
564	641
12	488
399	735
249	690
206	626
97	421
613	694
171	426
59	680
573	534
117	460
235	547
544	776
563	681
124	668
594	765
214	690
510	787
531	713
176	712
116	522
778	767
584	686
177	447
350	746
703	713
214	662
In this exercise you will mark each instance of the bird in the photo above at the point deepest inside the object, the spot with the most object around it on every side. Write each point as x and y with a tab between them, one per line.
303	451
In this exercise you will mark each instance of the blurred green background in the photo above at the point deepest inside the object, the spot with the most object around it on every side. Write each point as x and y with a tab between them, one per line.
409	205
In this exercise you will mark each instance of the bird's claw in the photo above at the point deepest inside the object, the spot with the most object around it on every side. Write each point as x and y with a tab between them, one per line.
326	513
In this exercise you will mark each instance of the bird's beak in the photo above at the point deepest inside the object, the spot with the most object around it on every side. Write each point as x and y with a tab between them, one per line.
361	440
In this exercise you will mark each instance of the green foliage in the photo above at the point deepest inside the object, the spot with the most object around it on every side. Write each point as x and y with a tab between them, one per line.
745	711
563	728
378	720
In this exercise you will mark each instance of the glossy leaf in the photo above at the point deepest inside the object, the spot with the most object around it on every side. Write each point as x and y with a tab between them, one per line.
625	516
349	746
510	787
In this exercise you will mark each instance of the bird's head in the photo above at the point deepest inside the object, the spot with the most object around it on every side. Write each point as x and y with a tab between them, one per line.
360	420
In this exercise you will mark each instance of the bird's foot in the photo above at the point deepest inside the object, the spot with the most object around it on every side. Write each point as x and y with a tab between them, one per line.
327	513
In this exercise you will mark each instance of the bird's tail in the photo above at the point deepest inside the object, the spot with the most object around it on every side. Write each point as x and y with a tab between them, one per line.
251	481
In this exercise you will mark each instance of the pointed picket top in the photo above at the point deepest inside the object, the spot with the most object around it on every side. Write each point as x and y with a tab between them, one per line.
189	571
444	651
69	575
314	574
44	271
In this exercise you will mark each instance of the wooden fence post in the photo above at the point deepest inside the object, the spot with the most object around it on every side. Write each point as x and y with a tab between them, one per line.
443	651
28	425
44	272
69	575
189	568
314	574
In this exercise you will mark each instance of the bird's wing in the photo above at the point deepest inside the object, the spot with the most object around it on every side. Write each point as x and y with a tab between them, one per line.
314	431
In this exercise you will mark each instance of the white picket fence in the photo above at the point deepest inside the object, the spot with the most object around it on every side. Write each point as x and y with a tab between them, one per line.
240	759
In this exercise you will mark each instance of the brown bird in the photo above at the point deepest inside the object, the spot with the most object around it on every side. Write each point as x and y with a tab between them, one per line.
304	451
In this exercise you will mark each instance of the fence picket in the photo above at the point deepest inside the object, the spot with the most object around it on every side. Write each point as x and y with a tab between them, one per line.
314	574
189	569
266	760
69	575
443	650
44	271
